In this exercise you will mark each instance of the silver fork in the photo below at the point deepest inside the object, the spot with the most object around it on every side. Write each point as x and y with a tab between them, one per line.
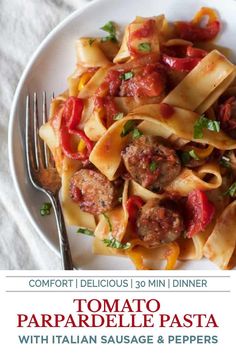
43	174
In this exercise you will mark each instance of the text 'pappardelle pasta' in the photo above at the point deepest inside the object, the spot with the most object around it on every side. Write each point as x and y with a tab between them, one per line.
144	139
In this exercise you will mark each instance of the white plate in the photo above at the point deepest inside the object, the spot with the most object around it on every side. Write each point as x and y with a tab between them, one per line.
48	69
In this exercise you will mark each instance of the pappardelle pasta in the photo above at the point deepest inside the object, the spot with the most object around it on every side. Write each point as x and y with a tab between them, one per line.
144	139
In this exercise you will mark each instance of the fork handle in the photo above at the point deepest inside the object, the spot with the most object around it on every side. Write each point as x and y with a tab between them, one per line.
66	258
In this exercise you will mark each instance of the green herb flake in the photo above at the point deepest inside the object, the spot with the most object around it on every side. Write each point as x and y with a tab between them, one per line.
193	154
91	41
120	199
153	166
108	221
116	244
204	123
45	209
145	47
85	231
109	27
213	125
127	76
225	162
118	116
231	190
127	128
187	155
136	133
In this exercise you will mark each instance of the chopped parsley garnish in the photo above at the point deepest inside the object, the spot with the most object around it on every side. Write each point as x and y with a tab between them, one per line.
187	155
118	116
146	47
194	155
91	41
225	162
85	231
136	133
109	27
231	190
45	209
116	244
127	128
108	221
204	123
127	75
153	166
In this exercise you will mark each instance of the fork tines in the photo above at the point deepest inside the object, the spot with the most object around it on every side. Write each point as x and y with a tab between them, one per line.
38	155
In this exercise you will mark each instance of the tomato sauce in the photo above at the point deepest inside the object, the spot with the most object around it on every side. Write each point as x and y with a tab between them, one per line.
111	84
107	104
147	30
149	81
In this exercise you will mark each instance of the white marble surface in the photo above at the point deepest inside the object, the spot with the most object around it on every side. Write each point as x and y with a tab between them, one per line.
23	25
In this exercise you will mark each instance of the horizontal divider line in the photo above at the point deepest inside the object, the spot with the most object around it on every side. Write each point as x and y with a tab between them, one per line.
113	276
117	291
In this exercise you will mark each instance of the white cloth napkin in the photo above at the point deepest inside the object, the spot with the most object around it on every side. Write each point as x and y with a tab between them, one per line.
23	26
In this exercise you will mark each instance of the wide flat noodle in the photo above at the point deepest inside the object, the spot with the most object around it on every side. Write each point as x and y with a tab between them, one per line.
90	88
109	48
192	249
118	221
47	133
99	248
95	127
106	155
211	99
181	123
50	137
204	84
220	245
145	194
190	180
73	80
124	53
89	54
87	111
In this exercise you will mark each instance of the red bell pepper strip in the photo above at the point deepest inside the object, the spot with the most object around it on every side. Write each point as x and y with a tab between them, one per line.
194	33
72	112
70	119
180	64
134	203
67	147
195	52
199	212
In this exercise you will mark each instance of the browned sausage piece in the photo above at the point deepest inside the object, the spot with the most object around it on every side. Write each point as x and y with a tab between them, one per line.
93	191
151	164
157	223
